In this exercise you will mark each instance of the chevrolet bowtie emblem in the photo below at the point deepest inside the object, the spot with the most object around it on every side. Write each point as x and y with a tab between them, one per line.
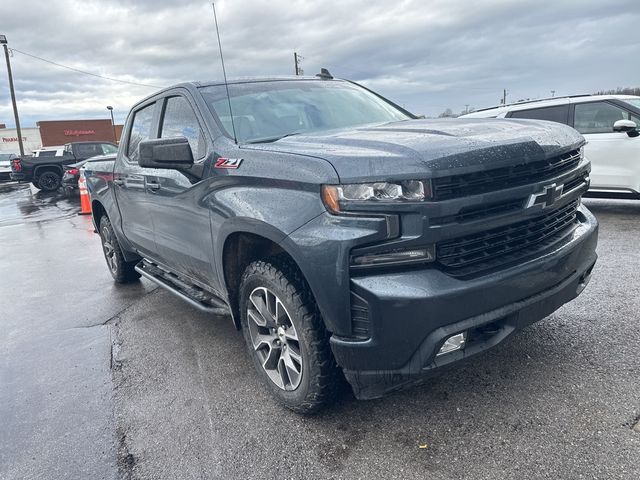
546	198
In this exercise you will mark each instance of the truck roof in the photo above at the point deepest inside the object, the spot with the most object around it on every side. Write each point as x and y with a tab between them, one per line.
237	80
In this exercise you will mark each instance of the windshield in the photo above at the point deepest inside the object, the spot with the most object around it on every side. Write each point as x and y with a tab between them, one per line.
635	102
267	111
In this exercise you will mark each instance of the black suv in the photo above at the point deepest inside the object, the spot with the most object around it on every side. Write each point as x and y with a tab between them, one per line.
342	234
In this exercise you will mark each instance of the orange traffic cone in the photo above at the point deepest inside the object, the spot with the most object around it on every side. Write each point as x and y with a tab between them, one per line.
85	202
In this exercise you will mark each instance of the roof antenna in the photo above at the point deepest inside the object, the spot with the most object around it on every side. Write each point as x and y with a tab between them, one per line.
224	73
324	74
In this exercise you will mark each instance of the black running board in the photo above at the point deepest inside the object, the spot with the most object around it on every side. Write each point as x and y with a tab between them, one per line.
191	294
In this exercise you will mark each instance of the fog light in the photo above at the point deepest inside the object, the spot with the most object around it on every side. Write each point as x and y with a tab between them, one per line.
453	343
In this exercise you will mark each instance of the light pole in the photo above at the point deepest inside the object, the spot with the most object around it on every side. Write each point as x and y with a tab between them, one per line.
3	41
113	125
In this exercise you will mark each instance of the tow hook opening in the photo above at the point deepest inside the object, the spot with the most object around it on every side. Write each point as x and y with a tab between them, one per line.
584	279
453	343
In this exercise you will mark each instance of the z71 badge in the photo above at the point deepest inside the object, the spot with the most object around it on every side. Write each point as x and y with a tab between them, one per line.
228	162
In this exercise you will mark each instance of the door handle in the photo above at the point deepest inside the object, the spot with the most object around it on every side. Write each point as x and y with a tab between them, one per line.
153	186
118	181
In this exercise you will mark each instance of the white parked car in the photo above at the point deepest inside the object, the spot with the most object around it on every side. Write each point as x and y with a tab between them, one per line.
5	165
609	123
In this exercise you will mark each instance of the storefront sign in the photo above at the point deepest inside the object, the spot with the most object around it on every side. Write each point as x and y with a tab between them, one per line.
77	133
12	139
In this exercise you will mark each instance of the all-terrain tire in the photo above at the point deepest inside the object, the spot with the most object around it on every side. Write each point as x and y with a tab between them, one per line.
321	379
49	181
121	270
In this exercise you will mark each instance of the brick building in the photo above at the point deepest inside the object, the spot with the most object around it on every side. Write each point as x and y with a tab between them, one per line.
59	132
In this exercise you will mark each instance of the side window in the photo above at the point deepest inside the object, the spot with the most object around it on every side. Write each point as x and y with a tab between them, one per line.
598	117
88	150
140	130
107	148
559	113
180	121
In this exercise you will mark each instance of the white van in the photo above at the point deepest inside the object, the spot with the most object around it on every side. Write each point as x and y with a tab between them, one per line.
609	123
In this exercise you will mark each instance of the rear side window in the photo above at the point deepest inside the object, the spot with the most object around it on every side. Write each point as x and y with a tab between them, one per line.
88	150
599	117
180	120
108	148
47	153
140	130
559	113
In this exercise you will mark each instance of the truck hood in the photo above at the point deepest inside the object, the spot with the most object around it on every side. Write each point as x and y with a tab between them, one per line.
430	148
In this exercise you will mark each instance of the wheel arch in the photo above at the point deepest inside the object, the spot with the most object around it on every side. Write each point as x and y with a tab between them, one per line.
240	247
47	168
98	211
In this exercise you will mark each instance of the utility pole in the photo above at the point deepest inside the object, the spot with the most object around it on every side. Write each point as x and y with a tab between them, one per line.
3	41
466	108
504	96
553	93
296	62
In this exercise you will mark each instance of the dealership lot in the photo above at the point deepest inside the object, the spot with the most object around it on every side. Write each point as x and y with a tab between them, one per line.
106	381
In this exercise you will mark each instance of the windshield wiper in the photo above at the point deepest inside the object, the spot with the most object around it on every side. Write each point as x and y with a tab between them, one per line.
273	139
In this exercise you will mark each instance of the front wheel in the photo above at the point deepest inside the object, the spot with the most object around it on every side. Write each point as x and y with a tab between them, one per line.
285	336
121	270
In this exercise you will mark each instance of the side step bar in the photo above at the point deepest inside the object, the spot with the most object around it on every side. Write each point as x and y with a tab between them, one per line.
191	294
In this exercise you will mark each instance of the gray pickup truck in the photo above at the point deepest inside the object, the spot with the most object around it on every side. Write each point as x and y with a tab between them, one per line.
344	236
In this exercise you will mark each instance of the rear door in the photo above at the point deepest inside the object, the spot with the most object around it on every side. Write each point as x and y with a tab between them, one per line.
130	182
615	156
182	226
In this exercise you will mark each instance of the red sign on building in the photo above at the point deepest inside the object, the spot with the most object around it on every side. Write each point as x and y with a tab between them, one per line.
77	133
59	132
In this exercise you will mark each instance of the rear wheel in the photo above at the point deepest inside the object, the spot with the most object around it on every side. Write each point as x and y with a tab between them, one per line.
49	181
121	270
285	336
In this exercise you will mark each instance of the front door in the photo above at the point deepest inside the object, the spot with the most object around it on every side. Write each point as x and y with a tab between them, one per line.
615	156
181	221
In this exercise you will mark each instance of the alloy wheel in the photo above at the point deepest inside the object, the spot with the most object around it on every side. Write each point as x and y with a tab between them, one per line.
274	339
109	251
48	181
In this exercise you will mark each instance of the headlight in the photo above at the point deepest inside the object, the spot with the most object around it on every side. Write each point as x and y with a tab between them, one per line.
337	197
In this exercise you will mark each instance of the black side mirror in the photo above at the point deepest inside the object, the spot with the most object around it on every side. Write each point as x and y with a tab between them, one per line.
169	153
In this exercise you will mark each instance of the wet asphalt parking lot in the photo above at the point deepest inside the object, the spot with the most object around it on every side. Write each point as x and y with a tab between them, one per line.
99	381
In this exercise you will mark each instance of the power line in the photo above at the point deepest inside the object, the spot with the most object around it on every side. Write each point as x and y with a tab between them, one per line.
82	71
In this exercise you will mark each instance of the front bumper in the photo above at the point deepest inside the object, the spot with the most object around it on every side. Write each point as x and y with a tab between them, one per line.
412	313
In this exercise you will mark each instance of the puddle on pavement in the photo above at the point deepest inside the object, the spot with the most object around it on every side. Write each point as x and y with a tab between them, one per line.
23	203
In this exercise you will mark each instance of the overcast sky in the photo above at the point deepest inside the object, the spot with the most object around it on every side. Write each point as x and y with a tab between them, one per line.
425	55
